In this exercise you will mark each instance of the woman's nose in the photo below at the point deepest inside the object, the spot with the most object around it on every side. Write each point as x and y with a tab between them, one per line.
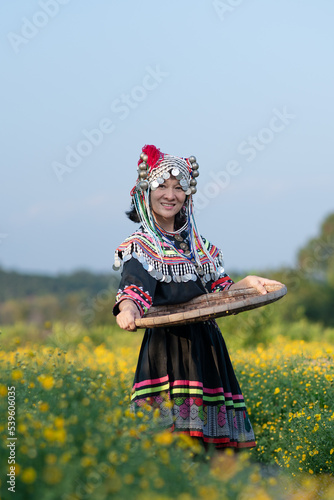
169	193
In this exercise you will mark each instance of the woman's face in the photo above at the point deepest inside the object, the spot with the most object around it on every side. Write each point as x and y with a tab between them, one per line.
167	200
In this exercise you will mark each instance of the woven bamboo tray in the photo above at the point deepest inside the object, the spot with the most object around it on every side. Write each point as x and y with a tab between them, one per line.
208	306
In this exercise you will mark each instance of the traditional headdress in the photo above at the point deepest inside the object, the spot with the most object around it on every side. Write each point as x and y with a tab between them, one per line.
154	167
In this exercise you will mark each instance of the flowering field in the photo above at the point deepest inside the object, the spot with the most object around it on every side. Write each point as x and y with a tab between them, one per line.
76	438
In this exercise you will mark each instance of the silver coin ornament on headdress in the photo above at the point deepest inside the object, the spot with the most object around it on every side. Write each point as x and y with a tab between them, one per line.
183	169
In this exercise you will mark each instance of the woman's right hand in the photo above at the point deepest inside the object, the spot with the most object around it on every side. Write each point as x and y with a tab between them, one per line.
126	318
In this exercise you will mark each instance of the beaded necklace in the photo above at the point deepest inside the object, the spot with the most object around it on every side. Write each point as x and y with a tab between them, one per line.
169	236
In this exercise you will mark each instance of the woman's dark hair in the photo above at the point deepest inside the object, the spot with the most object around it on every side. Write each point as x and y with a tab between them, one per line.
180	217
132	214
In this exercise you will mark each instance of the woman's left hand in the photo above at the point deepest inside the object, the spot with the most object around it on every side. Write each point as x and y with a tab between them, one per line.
254	282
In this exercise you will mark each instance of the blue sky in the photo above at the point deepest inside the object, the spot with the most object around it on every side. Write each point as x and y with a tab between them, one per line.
245	86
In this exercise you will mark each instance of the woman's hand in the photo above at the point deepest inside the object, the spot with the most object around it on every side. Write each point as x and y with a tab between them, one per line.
127	316
254	282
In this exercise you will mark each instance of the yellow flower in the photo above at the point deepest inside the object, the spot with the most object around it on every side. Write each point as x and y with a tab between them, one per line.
52	474
156	413
317	417
144	484
164	456
65	457
164	438
17	374
146	444
22	428
128	478
3	390
46	381
89	449
17	469
55	435
73	419
51	459
277	390
158	482
59	422
87	461
28	475
113	457
44	407
208	492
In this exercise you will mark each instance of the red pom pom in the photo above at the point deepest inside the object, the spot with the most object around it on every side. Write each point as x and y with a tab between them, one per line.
154	155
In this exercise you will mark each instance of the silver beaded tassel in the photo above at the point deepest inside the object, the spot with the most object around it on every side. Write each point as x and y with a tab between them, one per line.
181	272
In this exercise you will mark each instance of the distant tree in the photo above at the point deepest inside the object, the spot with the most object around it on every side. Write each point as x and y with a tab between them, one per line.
15	285
316	259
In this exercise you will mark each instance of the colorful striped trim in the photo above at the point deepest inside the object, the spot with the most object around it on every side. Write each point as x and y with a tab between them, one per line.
142	299
179	388
144	243
221	284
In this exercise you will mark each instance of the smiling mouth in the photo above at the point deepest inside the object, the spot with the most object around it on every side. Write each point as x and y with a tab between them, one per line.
167	205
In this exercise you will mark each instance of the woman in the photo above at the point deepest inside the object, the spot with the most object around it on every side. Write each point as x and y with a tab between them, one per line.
183	370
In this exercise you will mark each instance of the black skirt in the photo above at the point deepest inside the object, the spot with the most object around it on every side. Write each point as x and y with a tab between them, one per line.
186	372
